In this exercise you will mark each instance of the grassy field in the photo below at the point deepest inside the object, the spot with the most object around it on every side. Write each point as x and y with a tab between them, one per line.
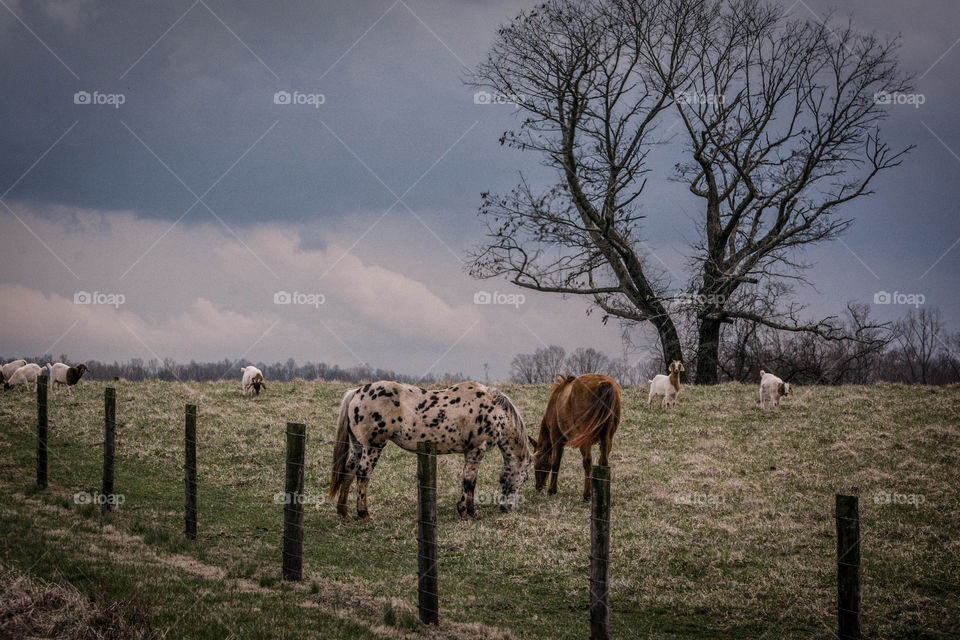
722	522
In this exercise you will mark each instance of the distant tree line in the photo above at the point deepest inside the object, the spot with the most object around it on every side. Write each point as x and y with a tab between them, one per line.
137	370
917	349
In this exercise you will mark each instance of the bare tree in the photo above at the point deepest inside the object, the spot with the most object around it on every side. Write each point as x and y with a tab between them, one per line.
523	368
919	335
587	360
749	346
543	365
780	127
550	362
623	372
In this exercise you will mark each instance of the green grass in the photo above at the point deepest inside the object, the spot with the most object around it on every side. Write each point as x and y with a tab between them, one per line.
722	519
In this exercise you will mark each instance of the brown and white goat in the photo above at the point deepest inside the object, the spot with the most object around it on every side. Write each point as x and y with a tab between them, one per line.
772	389
667	388
252	380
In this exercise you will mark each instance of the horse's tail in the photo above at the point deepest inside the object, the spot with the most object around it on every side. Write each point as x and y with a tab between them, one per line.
341	446
606	406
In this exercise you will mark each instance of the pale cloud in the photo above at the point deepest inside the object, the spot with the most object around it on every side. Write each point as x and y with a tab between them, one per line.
199	290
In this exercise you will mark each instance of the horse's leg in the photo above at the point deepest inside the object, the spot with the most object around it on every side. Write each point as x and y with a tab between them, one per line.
558	446
587	470
349	472
368	460
471	468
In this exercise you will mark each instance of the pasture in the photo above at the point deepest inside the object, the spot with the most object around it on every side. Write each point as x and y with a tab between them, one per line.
722	521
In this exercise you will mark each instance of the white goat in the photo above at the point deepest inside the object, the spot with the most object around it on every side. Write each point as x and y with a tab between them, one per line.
667	388
772	388
252	380
8	369
25	375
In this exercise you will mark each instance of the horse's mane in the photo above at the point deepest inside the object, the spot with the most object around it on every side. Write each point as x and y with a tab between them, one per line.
501	399
562	380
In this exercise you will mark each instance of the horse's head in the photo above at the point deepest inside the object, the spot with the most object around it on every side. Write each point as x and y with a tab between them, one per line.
512	478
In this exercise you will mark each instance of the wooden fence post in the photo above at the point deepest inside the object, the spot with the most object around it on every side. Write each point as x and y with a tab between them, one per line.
600	554
428	598
42	431
848	568
190	471
109	431
293	503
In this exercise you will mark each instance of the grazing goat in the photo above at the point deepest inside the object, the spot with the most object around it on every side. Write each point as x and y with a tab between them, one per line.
252	380
8	369
771	388
65	375
667	388
25	375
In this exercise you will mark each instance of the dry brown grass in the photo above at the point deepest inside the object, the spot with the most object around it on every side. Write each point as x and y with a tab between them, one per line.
722	513
33	608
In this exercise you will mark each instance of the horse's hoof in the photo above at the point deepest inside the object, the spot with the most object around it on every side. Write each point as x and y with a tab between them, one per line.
363	515
342	511
586	497
552	492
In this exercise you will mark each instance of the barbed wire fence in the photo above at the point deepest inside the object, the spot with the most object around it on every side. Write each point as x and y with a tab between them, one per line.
844	621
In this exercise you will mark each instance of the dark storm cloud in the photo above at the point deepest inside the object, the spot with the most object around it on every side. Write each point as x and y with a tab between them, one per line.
200	138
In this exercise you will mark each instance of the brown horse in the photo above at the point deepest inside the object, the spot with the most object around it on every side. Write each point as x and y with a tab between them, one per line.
581	411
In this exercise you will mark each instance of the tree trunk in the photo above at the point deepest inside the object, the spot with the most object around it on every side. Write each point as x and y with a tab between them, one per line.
669	340
708	351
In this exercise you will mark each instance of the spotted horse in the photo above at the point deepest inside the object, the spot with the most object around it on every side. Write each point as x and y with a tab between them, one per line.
467	418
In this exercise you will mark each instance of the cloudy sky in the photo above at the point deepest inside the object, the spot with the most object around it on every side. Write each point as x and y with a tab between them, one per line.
145	159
